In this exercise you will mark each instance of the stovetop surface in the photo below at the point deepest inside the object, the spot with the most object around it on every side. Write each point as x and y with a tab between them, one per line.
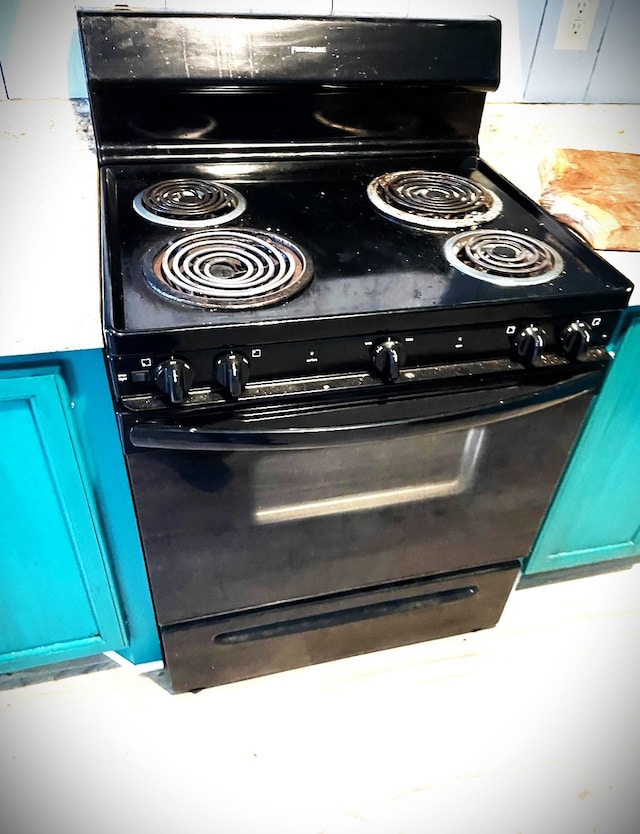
363	262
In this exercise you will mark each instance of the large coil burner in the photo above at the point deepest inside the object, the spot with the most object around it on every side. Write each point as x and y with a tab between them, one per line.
229	269
189	203
433	199
508	259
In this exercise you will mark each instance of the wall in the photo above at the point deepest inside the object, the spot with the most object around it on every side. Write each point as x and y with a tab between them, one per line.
607	71
40	56
39	49
616	73
560	74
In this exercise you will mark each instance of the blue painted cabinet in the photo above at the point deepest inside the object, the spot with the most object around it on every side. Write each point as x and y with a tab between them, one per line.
595	515
56	592
72	577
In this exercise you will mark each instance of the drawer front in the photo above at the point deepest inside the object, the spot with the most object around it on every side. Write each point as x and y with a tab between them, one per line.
220	650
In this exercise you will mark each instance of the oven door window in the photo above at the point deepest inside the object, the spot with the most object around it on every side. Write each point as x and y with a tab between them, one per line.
293	486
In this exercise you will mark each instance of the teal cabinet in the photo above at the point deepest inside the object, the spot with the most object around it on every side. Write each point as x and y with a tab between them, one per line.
595	515
72	576
56	590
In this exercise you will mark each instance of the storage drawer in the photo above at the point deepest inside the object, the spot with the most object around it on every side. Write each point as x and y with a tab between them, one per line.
219	650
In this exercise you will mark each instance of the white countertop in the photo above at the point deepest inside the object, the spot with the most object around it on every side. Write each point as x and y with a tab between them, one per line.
49	242
514	138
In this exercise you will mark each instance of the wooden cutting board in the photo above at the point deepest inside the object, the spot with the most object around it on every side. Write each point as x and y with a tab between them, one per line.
596	193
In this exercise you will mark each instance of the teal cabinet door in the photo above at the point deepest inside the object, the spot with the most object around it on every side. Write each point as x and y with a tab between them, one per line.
57	596
595	515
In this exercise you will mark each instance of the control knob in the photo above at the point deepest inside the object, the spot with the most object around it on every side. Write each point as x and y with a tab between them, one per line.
232	372
174	377
529	344
575	340
388	357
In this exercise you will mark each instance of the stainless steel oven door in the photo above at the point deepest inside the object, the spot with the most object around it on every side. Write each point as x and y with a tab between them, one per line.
258	508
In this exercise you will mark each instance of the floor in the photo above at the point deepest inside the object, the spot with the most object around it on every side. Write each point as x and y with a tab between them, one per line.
529	728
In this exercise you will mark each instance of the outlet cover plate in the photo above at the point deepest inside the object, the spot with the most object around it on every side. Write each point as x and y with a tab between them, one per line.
576	24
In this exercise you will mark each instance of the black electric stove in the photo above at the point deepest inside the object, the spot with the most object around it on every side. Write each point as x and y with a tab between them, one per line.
303	251
305	132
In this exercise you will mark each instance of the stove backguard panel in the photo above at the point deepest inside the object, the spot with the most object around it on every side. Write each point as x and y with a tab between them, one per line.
173	84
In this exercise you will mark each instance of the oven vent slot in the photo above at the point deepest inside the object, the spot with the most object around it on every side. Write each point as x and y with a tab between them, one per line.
340	618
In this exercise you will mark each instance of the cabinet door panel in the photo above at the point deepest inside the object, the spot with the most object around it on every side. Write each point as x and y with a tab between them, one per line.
595	515
57	598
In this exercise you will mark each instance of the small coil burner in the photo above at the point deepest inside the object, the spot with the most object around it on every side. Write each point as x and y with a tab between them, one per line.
508	259
433	199
189	203
229	269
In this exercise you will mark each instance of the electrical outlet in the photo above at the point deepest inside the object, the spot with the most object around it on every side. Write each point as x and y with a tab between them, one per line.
576	24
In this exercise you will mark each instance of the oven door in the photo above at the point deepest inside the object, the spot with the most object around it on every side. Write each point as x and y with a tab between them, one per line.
289	503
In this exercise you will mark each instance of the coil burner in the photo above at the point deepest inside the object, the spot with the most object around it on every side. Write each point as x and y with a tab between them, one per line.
189	203
433	199
507	259
229	269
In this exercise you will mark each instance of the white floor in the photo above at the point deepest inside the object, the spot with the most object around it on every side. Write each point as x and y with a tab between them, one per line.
529	728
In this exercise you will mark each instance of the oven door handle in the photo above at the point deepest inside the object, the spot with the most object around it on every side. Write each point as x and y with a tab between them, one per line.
161	436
